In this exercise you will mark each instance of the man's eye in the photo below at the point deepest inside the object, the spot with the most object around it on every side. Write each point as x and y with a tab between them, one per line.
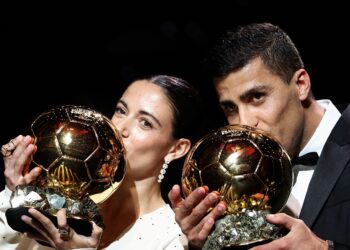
229	109
257	97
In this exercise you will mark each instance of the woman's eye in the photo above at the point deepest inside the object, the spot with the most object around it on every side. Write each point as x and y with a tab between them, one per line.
146	124
120	110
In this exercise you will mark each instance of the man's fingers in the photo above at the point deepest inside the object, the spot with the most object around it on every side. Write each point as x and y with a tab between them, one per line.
206	225
206	228
202	208
281	219
175	196
194	198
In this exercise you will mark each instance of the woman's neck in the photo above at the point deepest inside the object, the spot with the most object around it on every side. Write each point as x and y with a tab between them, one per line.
148	195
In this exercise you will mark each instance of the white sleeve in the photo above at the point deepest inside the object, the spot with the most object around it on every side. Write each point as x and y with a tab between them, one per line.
9	238
5	196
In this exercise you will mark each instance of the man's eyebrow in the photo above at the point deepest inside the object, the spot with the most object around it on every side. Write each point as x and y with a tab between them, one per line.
227	103
253	91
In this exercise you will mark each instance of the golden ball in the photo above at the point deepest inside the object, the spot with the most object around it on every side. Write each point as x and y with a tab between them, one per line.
247	166
80	152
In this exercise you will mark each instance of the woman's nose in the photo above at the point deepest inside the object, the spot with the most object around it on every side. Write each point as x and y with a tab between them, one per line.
122	126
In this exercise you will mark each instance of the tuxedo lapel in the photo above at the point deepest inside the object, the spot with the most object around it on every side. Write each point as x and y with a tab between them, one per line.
323	180
333	159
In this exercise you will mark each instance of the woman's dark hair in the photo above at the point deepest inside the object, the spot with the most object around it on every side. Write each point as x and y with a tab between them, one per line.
186	106
188	121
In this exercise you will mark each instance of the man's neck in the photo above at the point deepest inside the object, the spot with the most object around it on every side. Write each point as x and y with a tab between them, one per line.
313	116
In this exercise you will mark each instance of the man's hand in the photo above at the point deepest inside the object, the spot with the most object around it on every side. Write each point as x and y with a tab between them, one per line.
299	237
192	213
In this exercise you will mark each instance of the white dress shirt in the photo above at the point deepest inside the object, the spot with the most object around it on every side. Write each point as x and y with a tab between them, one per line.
304	174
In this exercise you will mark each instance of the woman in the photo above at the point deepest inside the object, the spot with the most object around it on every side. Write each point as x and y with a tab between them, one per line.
156	118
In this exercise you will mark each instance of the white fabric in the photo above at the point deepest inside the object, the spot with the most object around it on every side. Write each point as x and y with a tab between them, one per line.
154	231
315	144
157	230
324	129
8	237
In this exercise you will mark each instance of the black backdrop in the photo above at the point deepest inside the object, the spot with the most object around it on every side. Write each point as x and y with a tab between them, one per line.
83	53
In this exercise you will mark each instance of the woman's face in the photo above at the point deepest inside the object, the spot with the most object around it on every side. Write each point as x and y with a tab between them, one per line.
144	118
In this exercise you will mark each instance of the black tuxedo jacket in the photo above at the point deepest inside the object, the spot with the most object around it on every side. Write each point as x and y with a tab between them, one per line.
326	209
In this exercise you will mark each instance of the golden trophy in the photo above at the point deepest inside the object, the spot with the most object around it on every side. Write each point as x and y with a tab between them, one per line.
83	162
252	173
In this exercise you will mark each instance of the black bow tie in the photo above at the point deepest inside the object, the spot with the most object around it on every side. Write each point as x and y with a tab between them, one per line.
309	159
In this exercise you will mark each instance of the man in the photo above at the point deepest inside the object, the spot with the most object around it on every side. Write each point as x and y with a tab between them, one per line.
260	80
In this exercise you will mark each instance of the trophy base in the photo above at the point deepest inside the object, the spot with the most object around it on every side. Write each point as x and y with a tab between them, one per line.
242	231
246	247
14	220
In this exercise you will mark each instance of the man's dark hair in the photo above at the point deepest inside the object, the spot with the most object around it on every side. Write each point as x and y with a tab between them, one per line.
238	47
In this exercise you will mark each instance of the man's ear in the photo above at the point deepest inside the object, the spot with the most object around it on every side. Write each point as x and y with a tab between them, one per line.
179	149
302	80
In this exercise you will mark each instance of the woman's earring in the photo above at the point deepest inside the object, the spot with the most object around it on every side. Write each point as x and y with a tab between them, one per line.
163	171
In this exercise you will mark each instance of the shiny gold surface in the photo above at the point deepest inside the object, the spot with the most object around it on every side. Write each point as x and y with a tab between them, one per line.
249	169
80	152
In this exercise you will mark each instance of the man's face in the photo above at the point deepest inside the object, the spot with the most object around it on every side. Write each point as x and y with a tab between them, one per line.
254	96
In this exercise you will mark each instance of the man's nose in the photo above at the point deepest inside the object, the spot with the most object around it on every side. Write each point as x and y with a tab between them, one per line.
247	117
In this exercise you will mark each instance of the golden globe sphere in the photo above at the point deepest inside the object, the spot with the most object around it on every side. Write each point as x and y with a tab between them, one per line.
245	165
79	151
82	158
252	173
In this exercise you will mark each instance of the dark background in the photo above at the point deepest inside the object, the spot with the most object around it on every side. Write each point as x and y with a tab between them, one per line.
83	53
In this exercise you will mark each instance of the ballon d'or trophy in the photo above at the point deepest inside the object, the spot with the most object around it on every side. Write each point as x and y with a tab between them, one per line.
83	162
252	173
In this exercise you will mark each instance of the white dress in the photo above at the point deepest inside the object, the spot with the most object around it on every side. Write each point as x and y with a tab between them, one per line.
157	230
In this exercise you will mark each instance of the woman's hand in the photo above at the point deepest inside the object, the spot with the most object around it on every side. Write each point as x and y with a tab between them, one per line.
17	156
62	237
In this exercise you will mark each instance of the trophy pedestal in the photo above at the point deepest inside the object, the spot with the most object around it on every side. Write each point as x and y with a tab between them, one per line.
14	220
242	231
80	213
246	247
